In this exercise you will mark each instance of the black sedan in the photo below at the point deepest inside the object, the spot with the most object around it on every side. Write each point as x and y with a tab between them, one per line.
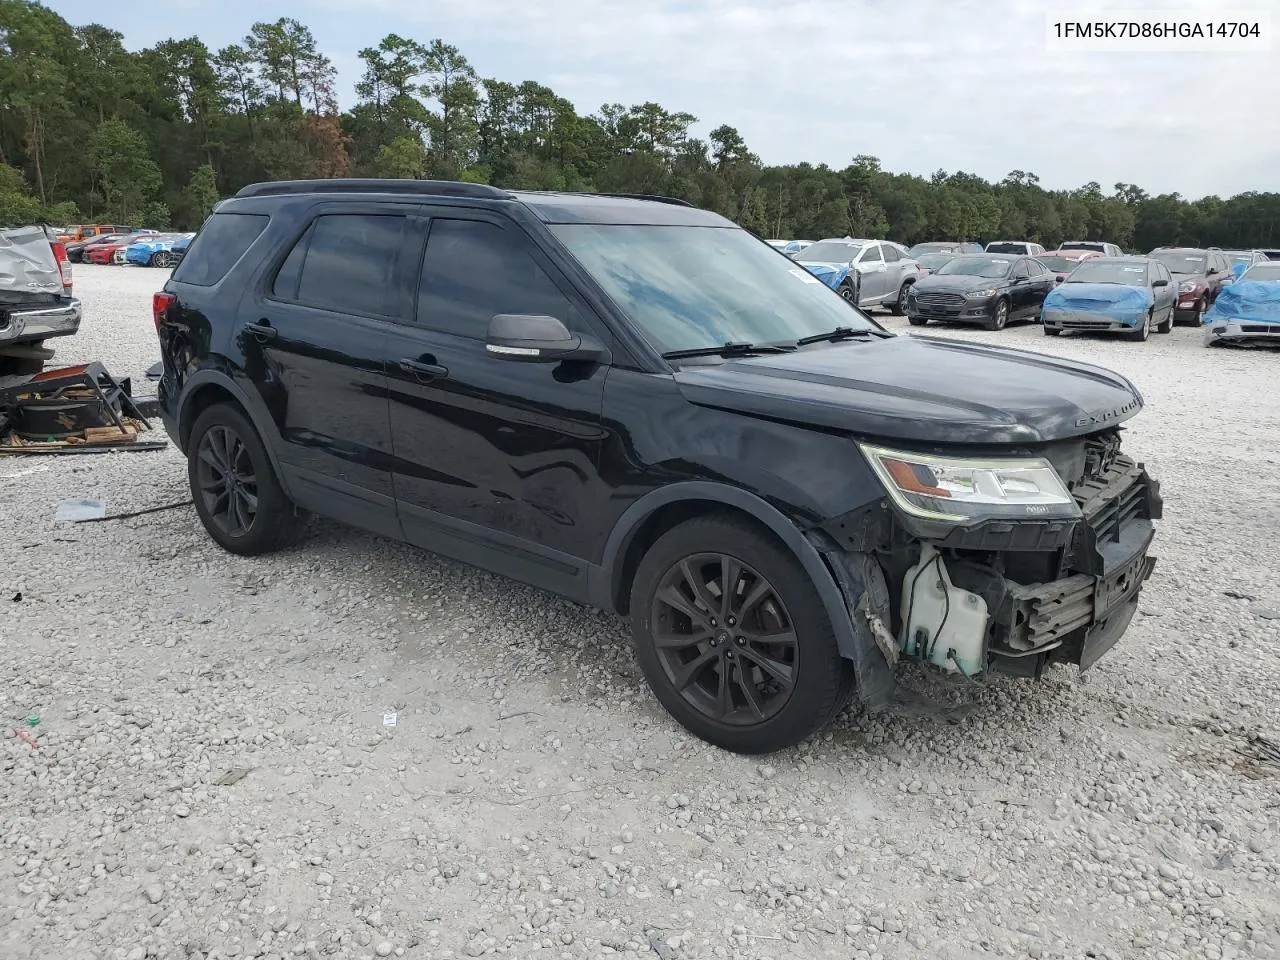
985	289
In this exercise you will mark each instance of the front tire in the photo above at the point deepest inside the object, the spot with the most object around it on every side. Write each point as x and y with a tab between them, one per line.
1053	331
752	667
1141	334
999	318
917	321
235	489
1166	325
848	290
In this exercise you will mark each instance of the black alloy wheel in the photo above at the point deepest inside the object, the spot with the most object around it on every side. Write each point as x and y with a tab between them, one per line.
734	638
725	639
234	486
227	481
999	318
900	305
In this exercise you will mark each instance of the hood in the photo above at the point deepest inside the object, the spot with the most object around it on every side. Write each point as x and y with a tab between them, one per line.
956	281
832	274
28	270
919	389
1253	301
1098	297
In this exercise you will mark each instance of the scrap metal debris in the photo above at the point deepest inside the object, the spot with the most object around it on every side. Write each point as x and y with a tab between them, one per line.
81	409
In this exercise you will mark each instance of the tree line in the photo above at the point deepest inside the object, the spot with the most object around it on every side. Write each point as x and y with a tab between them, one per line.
90	130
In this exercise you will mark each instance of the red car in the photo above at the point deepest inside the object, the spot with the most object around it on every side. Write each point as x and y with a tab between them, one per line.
104	253
1062	262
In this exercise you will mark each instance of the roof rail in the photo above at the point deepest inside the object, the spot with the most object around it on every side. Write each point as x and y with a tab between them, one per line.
646	196
431	188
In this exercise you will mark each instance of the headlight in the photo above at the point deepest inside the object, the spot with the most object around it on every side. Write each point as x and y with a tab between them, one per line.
1186	286
981	294
957	490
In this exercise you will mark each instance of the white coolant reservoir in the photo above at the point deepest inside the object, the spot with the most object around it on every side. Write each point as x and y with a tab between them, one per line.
941	623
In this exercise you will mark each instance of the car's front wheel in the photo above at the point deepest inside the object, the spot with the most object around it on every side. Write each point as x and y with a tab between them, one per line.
733	638
917	321
849	291
1143	330
234	487
999	318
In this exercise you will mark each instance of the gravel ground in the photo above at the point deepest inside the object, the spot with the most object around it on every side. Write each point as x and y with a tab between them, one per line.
212	776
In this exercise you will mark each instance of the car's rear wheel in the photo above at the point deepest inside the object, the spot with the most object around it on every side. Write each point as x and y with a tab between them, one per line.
999	318
900	305
733	638
235	489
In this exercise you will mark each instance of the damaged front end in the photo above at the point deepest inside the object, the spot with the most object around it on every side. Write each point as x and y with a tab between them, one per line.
1008	594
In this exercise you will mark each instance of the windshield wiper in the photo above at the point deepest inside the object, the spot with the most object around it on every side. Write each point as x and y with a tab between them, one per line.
840	333
729	349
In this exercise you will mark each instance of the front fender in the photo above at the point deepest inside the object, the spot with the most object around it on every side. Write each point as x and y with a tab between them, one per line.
849	595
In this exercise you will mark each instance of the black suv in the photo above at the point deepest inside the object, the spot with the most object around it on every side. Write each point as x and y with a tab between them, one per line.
638	405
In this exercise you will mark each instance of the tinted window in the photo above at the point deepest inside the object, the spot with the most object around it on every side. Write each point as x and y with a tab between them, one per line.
872	256
1021	270
475	270
220	243
349	263
1006	248
891	255
285	285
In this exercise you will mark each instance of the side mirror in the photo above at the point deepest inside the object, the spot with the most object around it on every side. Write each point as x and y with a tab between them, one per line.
1212	272
1160	283
538	339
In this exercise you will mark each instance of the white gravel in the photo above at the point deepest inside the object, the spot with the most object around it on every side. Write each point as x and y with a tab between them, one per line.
211	775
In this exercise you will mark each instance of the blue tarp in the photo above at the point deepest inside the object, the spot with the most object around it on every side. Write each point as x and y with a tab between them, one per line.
1238	268
1119	302
1253	301
832	274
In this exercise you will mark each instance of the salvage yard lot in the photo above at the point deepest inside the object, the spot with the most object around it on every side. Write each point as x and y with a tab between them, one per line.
532	798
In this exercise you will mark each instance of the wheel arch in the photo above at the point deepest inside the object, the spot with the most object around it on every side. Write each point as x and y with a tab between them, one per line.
208	387
660	510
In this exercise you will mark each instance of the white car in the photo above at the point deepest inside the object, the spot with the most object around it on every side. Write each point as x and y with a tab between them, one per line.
868	273
1023	248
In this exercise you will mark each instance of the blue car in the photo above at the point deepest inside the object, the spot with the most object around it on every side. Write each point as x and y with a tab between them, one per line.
1126	295
161	250
1247	310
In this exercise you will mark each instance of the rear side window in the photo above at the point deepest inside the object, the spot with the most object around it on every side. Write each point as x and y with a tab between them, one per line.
220	243
474	270
890	254
348	265
872	255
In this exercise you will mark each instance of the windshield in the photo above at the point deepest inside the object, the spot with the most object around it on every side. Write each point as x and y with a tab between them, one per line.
1080	245
1262	271
932	261
1060	264
991	267
1094	271
1244	260
829	251
688	287
1178	262
1006	248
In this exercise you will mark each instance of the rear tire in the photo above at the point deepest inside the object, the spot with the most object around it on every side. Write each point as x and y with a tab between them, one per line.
235	489
899	307
794	681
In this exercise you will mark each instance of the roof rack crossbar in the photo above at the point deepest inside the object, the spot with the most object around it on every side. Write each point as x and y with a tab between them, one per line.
429	188
645	196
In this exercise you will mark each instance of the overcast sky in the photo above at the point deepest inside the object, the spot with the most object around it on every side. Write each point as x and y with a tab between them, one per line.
922	84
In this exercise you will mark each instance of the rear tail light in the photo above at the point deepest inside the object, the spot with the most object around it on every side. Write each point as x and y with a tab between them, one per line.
64	264
160	302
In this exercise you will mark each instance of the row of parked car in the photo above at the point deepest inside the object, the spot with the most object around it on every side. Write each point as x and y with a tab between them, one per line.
144	248
1083	285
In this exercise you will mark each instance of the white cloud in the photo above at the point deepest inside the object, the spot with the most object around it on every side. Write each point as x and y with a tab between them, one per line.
926	84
